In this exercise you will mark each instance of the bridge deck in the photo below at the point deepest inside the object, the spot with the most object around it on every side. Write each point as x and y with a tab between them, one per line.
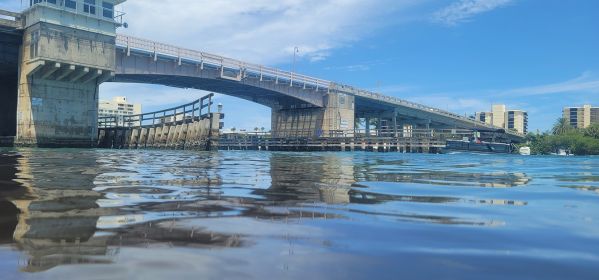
238	70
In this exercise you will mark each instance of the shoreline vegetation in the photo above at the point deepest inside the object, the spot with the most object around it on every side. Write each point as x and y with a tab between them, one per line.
578	141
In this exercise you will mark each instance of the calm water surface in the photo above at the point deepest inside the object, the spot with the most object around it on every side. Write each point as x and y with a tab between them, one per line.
105	214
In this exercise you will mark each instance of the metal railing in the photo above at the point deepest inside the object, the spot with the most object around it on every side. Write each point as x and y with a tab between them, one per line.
204	58
244	69
186	113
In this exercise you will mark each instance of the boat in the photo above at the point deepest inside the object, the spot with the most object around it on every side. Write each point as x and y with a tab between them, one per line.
563	153
525	151
476	146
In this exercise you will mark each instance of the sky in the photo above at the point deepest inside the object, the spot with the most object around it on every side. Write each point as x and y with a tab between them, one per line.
458	55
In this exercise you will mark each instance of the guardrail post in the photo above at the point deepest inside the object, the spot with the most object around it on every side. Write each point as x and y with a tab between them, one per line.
155	53
260	73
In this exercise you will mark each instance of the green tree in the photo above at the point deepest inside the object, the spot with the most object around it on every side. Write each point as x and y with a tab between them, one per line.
592	131
561	127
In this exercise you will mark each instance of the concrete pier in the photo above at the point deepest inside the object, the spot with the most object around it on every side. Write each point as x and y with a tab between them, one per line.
64	57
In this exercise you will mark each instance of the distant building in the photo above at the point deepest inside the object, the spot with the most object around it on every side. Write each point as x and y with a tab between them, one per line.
581	117
517	120
486	117
500	116
118	107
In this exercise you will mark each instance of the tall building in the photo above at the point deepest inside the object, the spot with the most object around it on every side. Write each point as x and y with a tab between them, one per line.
486	117
500	116
517	120
118	107
581	117
499	111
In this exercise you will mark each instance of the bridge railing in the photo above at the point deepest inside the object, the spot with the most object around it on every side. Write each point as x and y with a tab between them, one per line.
202	58
185	113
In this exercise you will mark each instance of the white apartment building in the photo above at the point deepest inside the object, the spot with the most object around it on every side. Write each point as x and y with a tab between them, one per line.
118	107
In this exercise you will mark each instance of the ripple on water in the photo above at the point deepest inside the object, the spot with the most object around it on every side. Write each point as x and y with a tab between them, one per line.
89	206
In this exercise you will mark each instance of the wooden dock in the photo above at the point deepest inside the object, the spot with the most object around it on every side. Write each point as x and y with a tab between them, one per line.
416	141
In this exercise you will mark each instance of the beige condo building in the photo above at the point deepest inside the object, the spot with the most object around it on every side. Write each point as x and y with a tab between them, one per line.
500	116
581	117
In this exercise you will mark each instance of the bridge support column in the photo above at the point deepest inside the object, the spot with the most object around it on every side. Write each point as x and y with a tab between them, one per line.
60	71
336	119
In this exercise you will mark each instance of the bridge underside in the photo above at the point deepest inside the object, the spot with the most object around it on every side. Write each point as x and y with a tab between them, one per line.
373	109
261	96
297	109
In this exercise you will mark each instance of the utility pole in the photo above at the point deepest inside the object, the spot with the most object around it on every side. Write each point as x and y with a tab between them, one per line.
295	51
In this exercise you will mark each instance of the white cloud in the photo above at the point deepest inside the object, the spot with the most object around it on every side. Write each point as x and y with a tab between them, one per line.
450	103
585	83
463	10
261	31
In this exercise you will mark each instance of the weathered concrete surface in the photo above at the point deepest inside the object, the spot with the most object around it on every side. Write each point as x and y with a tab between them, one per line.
335	119
57	106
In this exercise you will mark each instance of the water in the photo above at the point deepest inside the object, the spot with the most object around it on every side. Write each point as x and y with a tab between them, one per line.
106	214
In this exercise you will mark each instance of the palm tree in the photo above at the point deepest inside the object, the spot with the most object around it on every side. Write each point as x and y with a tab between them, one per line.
561	126
592	131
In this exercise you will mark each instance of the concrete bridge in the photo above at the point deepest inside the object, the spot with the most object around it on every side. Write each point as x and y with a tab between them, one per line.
65	52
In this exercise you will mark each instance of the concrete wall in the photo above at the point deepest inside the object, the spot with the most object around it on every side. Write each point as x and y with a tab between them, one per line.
336	119
61	69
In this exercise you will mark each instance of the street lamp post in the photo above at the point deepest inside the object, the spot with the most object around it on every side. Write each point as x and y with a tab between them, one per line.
295	52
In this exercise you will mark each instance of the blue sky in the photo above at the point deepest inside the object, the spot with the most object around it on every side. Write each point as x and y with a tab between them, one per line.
461	55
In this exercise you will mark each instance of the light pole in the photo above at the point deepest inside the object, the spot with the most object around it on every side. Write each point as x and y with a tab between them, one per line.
295	52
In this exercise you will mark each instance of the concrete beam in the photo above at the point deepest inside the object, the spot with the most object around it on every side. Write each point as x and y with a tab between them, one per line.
65	72
36	67
78	74
50	69
106	76
91	76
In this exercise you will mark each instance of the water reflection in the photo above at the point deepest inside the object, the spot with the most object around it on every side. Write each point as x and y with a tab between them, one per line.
83	207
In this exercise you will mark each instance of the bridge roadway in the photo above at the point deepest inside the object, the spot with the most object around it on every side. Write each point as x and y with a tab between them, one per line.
146	61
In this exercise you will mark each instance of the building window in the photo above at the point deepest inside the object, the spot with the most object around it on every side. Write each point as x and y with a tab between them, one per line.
89	6
108	10
71	4
33	2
